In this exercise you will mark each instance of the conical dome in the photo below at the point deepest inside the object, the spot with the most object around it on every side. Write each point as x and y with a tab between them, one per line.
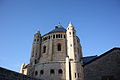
58	28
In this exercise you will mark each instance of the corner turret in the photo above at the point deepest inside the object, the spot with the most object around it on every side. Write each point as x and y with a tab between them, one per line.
23	69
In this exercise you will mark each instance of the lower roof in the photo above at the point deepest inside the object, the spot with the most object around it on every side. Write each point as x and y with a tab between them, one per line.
90	59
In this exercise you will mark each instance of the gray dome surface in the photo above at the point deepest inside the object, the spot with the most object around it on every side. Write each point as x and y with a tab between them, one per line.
58	28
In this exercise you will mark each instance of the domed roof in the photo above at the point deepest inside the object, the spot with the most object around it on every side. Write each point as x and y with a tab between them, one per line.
58	28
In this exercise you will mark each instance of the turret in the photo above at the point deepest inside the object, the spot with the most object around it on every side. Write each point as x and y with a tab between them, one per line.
36	48
70	41
73	65
73	44
23	69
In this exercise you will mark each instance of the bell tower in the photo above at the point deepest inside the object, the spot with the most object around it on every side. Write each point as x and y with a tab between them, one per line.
70	42
36	48
74	70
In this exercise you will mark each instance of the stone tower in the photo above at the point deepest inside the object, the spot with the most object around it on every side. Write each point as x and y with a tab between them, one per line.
35	53
73	65
56	55
36	48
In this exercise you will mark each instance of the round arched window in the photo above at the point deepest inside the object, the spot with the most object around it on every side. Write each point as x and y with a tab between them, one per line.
35	61
41	72
44	49
59	47
60	71
52	71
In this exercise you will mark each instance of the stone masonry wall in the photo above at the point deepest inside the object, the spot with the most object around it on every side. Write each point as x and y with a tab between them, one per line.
108	66
52	54
6	74
47	67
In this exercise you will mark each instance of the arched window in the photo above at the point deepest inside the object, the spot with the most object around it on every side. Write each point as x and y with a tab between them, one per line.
53	36
41	72
59	47
64	36
35	61
59	35
52	71
60	71
75	75
78	75
37	39
36	73
44	49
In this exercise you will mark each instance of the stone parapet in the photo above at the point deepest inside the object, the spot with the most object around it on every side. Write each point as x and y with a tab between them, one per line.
6	74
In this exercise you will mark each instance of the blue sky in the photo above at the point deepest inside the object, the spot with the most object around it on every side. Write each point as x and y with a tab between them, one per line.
97	23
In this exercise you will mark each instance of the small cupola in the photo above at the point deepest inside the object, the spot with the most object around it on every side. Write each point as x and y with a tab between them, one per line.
70	26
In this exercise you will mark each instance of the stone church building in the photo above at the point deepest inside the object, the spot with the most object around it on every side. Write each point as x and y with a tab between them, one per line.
57	55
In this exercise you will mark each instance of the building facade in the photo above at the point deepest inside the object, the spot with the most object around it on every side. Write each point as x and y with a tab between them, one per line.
104	67
56	55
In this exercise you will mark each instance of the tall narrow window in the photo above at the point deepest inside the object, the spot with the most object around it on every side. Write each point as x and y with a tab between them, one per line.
35	61
37	39
36	73
75	75
44	49
78	75
57	35
59	47
53	36
64	36
41	72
